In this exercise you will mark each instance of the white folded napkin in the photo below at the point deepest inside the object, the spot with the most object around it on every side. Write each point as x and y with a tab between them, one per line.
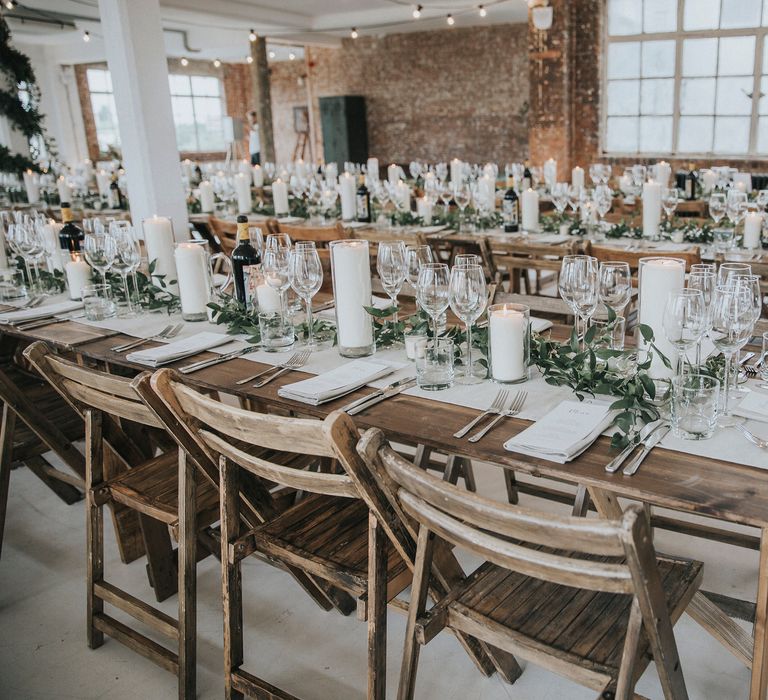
179	349
330	385
432	229
43	311
356	224
290	219
539	325
565	432
754	406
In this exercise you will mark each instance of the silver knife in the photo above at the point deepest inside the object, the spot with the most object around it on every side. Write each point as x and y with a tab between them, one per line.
375	394
202	364
634	465
385	395
618	460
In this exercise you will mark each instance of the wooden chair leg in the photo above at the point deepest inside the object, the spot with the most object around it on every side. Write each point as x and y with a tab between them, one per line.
187	578
7	428
468	472
511	483
43	471
625	684
377	610
231	583
419	588
452	468
94	478
161	565
581	502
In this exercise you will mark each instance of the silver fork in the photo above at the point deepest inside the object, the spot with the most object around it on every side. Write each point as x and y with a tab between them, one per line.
167	332
762	444
293	358
514	408
493	409
303	358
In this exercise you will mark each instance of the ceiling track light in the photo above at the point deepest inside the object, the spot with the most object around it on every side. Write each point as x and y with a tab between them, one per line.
482	11
451	21
184	61
252	36
86	36
417	11
354	33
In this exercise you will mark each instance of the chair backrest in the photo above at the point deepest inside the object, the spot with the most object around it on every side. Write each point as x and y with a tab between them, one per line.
605	253
321	235
86	388
577	552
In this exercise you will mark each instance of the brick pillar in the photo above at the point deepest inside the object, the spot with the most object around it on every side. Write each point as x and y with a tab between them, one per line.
262	98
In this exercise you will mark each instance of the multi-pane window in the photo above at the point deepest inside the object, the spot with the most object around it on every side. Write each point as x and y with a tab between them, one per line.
103	106
197	112
686	77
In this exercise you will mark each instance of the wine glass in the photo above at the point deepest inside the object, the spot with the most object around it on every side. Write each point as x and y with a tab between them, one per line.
669	200
464	259
446	195
595	173
560	196
306	276
578	286
468	296
275	266
762	199
100	251
736	206
752	284
705	280
727	269
732	314
615	285
717	206
127	259
416	256
415	168
275	241
684	322
574	197
391	261
462	196
602	197
433	291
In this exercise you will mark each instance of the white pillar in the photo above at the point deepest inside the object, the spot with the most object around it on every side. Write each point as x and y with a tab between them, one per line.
133	39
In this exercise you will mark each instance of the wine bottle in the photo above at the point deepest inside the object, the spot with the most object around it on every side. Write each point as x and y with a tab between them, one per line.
363	202
691	180
510	208
243	257
527	177
70	235
115	196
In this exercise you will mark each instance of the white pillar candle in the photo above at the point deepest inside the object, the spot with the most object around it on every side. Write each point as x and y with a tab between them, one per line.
258	176
347	194
206	197
530	214
192	270
158	240
415	345
65	191
740	186
186	168
457	174
663	173
753	228
651	209
280	197
102	182
351	268
403	195
487	188
32	185
78	274
331	171
708	180
743	181
243	192
424	210
550	173
658	277
372	168
268	299
507	329
300	168
393	174
577	176
52	245
244	167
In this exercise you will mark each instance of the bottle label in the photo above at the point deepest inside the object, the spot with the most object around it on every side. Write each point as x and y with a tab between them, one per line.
511	210
249	284
362	207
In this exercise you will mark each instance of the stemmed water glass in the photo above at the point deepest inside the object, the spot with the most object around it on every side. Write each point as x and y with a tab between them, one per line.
732	320
578	287
727	269
669	200
468	296
29	244
560	196
602	197
705	281
391	264
750	282
100	250
615	285
306	276
685	321
574	197
433	292
462	196
127	259
717	206
416	256
446	195
275	266
736	206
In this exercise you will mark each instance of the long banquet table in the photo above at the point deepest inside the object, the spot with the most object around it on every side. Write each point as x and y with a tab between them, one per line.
704	486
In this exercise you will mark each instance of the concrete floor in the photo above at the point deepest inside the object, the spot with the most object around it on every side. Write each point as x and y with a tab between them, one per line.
289	641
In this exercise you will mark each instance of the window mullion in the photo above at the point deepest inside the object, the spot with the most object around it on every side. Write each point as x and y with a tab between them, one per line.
759	41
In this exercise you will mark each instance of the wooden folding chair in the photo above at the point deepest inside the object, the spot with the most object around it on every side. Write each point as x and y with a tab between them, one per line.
321	235
328	533
157	487
588	599
605	253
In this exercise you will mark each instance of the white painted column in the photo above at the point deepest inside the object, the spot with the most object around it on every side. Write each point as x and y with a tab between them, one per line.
133	39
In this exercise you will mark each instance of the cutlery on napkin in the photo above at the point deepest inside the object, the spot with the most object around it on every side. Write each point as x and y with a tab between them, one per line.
754	406
338	382
565	432
163	354
38	312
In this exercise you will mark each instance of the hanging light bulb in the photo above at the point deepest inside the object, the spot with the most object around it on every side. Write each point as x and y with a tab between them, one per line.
483	12
252	36
216	63
271	54
10	4
451	21
417	11
86	36
184	61
249	59
291	56
353	33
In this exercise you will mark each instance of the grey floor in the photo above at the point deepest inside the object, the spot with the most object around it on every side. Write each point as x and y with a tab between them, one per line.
289	641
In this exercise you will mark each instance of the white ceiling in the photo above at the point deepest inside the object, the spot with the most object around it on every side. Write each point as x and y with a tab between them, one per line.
219	28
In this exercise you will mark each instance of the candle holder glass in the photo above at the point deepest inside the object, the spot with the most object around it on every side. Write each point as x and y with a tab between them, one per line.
434	367
351	274
509	343
12	287
276	330
98	303
194	267
695	400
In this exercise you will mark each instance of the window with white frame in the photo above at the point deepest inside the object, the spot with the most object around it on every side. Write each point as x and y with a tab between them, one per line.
686	78
198	112
103	107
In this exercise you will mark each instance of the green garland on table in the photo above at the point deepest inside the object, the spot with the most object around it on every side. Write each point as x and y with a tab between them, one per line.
151	296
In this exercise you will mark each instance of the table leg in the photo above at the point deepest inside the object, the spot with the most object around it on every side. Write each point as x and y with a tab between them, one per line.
759	684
